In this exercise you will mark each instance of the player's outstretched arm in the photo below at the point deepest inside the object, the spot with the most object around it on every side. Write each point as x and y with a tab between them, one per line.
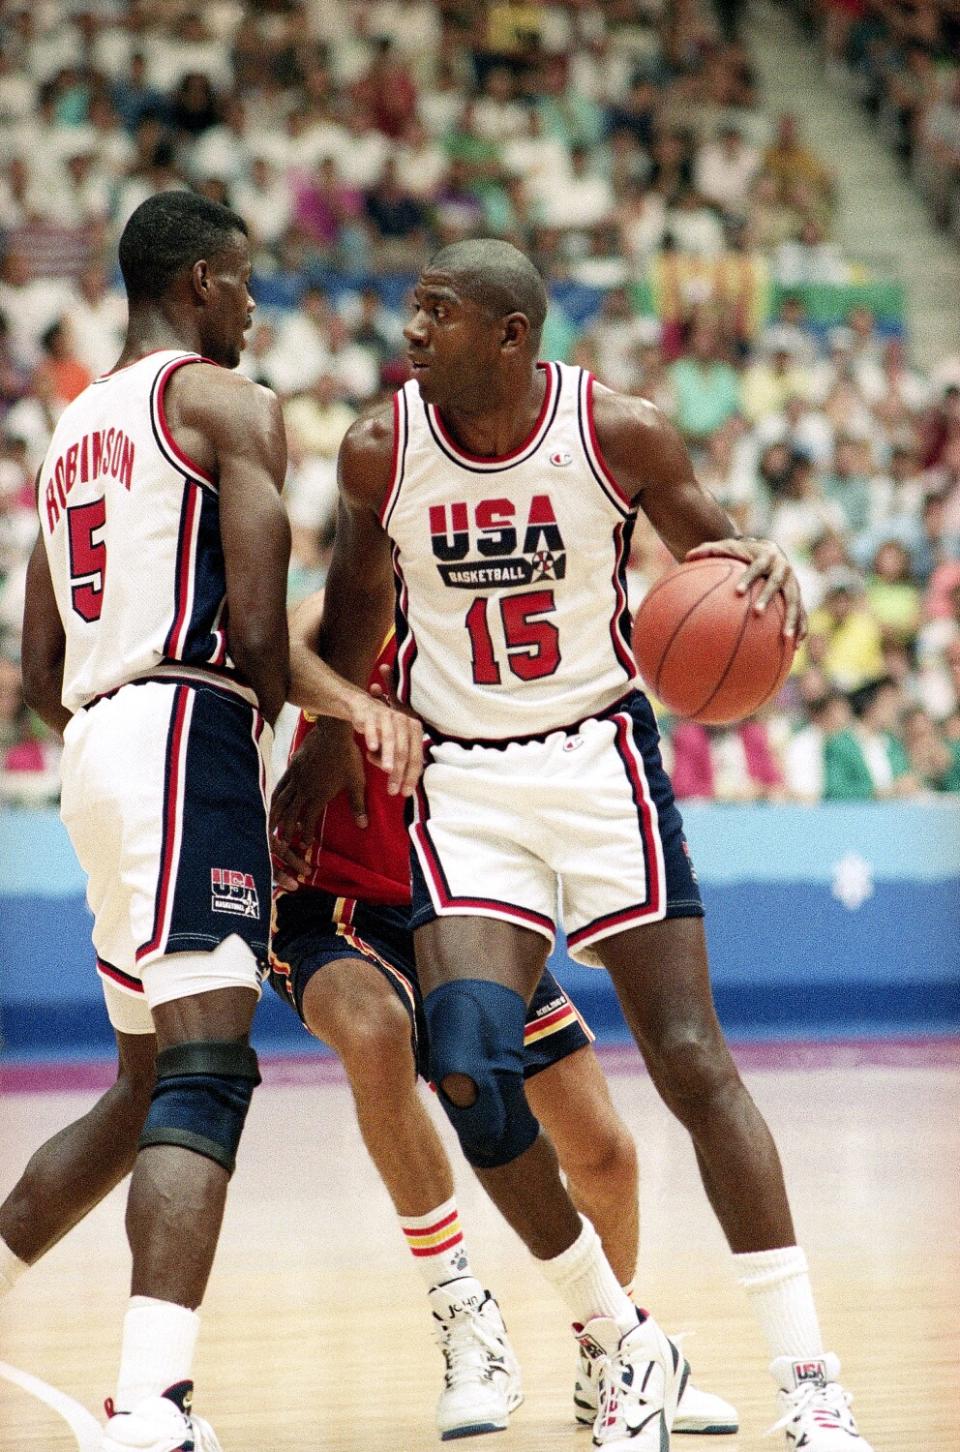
650	462
43	644
357	613
241	424
394	740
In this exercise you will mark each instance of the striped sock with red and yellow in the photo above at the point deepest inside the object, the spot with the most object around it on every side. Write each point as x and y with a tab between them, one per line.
436	1243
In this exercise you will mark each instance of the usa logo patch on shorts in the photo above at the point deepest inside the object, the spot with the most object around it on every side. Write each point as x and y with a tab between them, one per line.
233	892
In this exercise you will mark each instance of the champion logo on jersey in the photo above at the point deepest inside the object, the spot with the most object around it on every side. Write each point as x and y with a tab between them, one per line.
560	458
233	892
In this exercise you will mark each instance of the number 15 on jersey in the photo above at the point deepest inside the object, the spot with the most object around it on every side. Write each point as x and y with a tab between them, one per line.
532	643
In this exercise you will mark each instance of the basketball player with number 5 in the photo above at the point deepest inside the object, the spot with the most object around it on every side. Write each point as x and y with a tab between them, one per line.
155	640
497	497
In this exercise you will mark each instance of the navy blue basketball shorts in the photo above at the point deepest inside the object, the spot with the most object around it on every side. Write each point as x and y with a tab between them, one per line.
312	929
585	817
164	798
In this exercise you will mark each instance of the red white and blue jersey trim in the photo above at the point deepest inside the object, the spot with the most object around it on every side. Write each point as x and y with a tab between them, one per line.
477	463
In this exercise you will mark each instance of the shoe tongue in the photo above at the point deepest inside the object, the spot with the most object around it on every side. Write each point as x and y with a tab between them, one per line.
181	1394
599	1338
804	1372
463	1294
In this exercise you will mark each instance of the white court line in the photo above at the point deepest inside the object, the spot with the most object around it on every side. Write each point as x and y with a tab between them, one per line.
87	1431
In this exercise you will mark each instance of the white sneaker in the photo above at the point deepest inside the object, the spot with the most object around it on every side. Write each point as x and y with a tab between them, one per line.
160	1424
481	1382
816	1409
640	1377
698	1412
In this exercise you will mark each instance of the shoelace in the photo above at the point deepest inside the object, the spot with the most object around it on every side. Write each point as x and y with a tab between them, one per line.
614	1382
835	1402
467	1344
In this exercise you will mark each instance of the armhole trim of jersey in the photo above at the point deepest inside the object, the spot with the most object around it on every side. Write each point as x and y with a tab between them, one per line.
401	429
166	443
591	446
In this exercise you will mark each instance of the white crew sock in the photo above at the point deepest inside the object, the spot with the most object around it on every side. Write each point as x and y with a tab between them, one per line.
159	1338
582	1276
435	1241
778	1287
11	1268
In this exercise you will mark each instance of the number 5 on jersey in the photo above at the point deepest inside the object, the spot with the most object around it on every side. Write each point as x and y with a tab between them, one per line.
533	644
88	557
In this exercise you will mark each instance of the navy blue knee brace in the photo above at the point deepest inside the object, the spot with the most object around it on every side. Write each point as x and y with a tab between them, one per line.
201	1098
476	1029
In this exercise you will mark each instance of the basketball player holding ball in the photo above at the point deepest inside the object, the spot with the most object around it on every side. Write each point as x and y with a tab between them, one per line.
497	497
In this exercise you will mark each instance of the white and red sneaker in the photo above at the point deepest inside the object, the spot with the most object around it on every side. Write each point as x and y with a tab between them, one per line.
481	1381
160	1424
699	1412
816	1409
640	1376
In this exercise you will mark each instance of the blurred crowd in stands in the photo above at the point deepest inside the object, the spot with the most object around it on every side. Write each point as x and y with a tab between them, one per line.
902	58
682	226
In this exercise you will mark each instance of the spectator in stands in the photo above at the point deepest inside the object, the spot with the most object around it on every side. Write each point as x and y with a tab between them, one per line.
868	760
324	205
804	757
809	258
800	512
735	764
387	90
847	484
790	162
845	638
68	376
707	388
774	378
399	220
29	304
934	759
195	108
134	97
263	198
892	593
724	171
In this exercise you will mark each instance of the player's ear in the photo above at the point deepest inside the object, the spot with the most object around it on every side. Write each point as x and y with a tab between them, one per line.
200	280
516	331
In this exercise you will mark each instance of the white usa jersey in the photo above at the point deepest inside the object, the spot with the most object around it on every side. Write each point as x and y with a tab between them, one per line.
512	617
132	533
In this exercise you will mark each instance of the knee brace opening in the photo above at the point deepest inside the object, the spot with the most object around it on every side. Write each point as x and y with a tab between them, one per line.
201	1098
460	1089
476	1043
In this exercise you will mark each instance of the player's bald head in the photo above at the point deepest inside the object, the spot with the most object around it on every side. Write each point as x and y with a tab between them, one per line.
497	277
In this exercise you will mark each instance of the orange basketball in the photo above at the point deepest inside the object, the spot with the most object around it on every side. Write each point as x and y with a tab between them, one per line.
701	648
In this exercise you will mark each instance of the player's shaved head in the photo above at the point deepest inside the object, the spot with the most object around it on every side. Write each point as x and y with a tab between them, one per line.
497	277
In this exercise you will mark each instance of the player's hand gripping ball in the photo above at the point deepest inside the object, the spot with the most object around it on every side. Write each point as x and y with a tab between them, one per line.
703	650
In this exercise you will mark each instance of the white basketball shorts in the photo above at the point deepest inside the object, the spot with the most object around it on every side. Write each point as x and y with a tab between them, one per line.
586	820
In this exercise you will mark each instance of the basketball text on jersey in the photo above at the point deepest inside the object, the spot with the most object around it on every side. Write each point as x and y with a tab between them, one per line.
510	571
104	452
488	532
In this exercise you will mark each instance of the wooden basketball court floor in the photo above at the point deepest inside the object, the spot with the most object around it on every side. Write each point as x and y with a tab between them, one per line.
316	1337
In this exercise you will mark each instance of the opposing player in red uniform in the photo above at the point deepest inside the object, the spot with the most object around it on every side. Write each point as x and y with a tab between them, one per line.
342	956
498	496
